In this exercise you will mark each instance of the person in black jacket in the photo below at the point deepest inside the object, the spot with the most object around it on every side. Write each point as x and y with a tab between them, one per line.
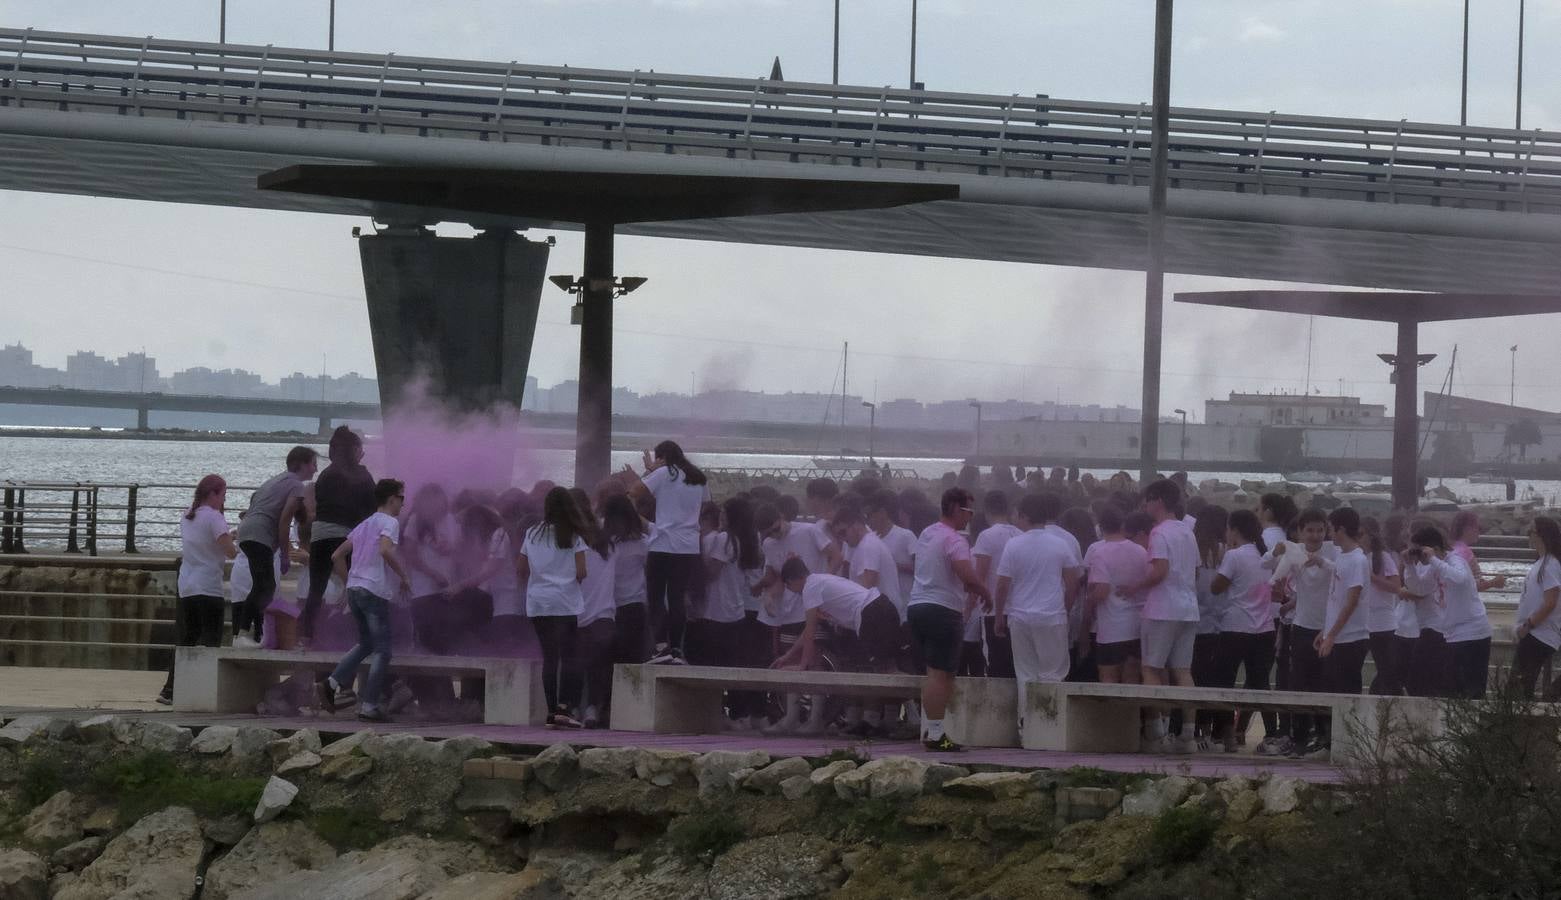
343	497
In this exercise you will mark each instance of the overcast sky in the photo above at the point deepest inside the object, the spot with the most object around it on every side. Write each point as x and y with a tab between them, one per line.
915	325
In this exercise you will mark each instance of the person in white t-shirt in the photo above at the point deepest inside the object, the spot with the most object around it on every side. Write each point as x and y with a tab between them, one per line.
374	578
1170	614
1538	627
553	564
1433	569
866	623
206	543
871	563
1246	637
1115	565
1381	598
631	535
672	566
987	552
1344	639
596	626
822	498
781	608
883	512
1033	597
944	594
734	565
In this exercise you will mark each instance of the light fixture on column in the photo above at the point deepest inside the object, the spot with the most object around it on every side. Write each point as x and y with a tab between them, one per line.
569	284
1392	360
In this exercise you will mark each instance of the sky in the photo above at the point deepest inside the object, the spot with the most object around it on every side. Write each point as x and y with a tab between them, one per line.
278	292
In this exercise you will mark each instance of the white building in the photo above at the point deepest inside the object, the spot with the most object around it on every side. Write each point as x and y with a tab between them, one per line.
1293	410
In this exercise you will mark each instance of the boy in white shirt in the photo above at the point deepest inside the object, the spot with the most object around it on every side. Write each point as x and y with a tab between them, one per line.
374	578
1034	597
1170	614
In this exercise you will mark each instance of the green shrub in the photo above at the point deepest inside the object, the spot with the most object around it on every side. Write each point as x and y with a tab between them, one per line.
704	835
1181	834
150	781
348	829
42	778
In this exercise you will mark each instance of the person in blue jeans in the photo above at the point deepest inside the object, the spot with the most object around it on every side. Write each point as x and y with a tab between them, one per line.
374	576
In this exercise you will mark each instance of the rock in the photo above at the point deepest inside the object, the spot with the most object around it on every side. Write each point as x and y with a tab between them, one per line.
252	740
23	876
573	869
768	779
736	777
398	746
851	860
1243	806
713	770
1080	804
102	821
460	748
991	786
157	857
277	796
1151	798
268	852
214	739
401	869
57	820
23	729
1232	786
345	746
1281	794
556	766
665	768
61	729
608	762
632	878
77	856
939	774
825	775
530	884
298	762
162	736
226	831
853	784
304	740
347	769
60	882
778	867
890	778
796	787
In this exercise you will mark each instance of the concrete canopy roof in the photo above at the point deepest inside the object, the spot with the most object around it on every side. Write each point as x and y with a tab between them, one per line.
1380	306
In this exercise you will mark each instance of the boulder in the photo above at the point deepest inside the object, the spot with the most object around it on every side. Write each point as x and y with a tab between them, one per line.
1281	794
76	856
304	740
633	878
556	766
1080	804
853	784
98	729
23	876
991	786
346	769
889	778
226	831
346	746
102	821
266	853
299	762
157	857
57	820
397	746
402	869
277	796
796	787
165	737
1232	786
778	867
713	770
214	739
22	729
665	768
825	775
1243	806
1151	798
768	779
531	884
939	774
456	750
608	762
252	740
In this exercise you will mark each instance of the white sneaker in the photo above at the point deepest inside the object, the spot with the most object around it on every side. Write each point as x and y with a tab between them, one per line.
245	642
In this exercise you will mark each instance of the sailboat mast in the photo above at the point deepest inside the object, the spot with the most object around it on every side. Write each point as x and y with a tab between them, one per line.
845	361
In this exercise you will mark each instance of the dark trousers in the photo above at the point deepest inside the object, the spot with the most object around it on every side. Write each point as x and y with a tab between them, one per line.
999	650
754	652
560	660
1388	682
1205	653
1532	655
1283	636
1254	653
1342	667
631	635
251	613
1469	664
320	566
669	578
1428	668
594	645
1306	674
972	662
199	624
446	624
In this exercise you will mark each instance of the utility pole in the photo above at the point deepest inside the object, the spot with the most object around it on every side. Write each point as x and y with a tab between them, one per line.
913	45
330	37
222	21
1463	92
1154	273
1517	117
835	76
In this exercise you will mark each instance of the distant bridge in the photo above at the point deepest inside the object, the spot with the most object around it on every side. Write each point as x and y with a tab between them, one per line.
144	403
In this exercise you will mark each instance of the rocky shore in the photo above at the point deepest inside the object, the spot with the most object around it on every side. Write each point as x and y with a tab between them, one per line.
114	807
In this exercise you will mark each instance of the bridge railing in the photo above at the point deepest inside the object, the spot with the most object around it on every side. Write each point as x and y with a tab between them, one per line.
967	133
93	518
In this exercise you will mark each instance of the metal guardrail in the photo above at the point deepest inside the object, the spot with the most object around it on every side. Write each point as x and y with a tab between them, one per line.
883	128
90	516
805	473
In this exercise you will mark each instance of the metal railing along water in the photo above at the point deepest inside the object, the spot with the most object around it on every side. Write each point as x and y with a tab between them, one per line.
994	135
91	517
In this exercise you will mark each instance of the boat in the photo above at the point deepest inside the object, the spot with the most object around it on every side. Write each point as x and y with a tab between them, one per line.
1361	478
1488	478
844	462
1309	477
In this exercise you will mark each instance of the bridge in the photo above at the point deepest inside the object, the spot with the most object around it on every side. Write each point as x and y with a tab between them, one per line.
412	141
145	403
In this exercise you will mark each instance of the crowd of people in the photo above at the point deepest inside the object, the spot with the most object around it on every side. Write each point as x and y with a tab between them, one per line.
1040	579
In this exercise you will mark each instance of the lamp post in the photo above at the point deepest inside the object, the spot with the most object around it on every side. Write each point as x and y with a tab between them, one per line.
1182	452
872	426
1512	390
593	313
977	405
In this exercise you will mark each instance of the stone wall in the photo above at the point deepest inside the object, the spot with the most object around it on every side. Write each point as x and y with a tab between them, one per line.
396	817
79	642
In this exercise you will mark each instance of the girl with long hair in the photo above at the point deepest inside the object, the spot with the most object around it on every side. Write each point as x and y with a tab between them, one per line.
734	565
1465	630
206	543
1210	531
1246	639
1538	628
552	564
597	624
672	566
630	535
1381	597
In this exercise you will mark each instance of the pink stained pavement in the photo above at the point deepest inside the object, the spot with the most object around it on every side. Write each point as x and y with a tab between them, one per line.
1203	765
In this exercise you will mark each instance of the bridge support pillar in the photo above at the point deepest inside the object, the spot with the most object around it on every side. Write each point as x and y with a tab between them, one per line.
451	318
593	424
1406	423
324	428
142	415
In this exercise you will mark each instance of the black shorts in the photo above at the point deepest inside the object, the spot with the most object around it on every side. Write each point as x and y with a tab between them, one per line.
1116	654
878	640
936	633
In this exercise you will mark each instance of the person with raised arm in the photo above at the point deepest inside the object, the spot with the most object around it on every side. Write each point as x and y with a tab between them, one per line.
672	566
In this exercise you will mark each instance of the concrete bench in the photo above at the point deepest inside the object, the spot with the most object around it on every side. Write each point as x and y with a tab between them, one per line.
1104	718
688	699
226	680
